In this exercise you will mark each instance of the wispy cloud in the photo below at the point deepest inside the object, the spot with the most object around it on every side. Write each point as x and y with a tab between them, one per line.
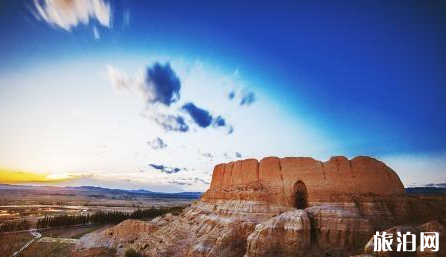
230	156
68	14
244	96
188	181
157	144
170	122
208	155
440	185
220	122
166	169
247	98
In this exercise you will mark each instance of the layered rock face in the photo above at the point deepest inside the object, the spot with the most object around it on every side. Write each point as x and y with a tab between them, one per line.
278	207
274	179
288	234
125	233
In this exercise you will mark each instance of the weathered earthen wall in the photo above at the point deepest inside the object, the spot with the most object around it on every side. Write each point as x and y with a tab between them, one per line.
273	179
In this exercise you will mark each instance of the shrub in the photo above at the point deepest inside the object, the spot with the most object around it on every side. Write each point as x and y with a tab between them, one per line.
132	253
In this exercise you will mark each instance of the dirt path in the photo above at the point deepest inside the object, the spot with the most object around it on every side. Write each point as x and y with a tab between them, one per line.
58	240
43	229
36	236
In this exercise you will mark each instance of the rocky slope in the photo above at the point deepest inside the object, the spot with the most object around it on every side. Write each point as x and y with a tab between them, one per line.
241	215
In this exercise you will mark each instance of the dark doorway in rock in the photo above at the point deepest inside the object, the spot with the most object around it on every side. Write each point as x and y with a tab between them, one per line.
300	195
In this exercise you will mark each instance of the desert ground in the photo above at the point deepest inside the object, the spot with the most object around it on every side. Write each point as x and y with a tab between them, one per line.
19	203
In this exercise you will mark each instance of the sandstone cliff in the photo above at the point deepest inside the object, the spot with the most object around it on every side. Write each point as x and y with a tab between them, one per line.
251	210
273	179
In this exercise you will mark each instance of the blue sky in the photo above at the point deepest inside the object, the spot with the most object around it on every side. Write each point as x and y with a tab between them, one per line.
212	79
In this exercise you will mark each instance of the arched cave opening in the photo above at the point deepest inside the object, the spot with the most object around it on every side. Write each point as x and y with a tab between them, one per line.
300	195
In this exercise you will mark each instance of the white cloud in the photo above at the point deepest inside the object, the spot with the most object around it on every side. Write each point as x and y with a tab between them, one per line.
141	86
161	97
118	78
418	169
122	82
67	14
157	144
137	87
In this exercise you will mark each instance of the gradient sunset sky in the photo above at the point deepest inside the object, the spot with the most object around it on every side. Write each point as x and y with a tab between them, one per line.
152	94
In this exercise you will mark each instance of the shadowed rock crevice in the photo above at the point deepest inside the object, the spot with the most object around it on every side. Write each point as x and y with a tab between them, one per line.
300	195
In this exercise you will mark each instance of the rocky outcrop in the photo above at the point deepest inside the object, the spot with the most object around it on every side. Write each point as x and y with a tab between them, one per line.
279	207
339	228
200	231
285	235
122	235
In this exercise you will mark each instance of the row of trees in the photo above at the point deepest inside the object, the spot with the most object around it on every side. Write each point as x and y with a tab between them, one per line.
14	225
63	221
104	217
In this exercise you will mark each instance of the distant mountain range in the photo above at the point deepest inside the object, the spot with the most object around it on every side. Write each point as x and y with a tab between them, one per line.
425	190
89	190
439	188
431	188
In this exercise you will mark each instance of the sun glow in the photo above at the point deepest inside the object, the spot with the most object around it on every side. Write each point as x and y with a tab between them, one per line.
14	176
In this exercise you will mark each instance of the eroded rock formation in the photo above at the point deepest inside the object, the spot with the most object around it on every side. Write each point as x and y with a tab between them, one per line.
278	207
274	179
287	234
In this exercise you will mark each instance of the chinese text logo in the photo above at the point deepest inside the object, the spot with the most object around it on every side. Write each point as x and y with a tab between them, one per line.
406	242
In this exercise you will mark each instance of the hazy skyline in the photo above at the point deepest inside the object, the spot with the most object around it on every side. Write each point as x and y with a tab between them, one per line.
153	94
